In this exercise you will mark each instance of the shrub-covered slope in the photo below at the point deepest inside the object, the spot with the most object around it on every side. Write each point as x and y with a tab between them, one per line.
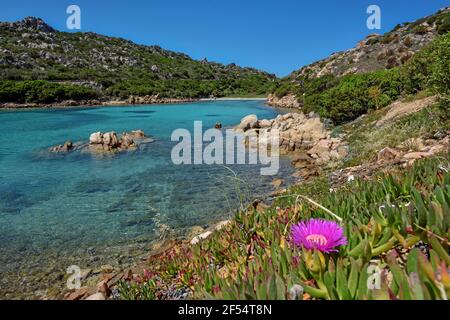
345	98
378	52
32	50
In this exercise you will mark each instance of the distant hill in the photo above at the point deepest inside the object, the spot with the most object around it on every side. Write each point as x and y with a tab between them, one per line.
377	52
32	50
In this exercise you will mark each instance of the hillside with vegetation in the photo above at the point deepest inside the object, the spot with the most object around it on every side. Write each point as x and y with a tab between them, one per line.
372	226
42	65
376	51
412	58
383	209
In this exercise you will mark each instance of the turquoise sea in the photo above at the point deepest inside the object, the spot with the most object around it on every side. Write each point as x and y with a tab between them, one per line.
59	210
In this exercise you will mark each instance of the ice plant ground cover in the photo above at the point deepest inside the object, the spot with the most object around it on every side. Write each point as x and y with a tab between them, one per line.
396	224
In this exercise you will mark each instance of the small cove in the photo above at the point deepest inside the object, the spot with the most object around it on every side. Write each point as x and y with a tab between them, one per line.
76	209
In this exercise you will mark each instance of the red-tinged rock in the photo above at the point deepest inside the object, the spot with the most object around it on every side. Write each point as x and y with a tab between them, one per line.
107	276
103	287
114	280
77	294
128	275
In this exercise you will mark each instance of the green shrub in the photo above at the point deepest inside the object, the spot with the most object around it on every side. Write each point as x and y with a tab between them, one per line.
420	29
286	89
346	98
354	95
39	91
191	88
443	24
429	68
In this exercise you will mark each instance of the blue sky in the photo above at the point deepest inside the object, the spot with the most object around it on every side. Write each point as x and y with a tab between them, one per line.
278	36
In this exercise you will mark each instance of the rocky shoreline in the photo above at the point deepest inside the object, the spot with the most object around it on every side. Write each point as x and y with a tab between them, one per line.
96	103
102	283
305	138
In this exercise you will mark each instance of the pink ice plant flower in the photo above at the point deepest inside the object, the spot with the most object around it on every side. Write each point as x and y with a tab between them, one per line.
319	234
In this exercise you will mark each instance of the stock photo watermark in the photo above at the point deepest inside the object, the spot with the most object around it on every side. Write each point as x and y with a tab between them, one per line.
374	20
73	22
227	148
374	279
74	279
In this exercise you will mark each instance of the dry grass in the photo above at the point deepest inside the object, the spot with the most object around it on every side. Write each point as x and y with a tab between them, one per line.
365	139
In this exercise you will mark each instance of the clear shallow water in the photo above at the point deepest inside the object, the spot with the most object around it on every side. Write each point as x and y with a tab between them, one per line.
57	210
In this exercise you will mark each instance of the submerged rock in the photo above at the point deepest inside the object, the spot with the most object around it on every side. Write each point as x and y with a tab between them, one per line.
136	134
66	147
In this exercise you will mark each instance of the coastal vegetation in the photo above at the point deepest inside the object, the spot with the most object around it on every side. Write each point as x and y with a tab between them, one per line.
44	91
396	223
40	91
365	139
252	85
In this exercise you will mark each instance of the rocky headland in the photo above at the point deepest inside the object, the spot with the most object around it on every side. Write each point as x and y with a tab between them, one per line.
303	137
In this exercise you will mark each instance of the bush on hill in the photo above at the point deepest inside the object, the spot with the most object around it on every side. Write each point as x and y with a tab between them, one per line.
39	91
346	98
